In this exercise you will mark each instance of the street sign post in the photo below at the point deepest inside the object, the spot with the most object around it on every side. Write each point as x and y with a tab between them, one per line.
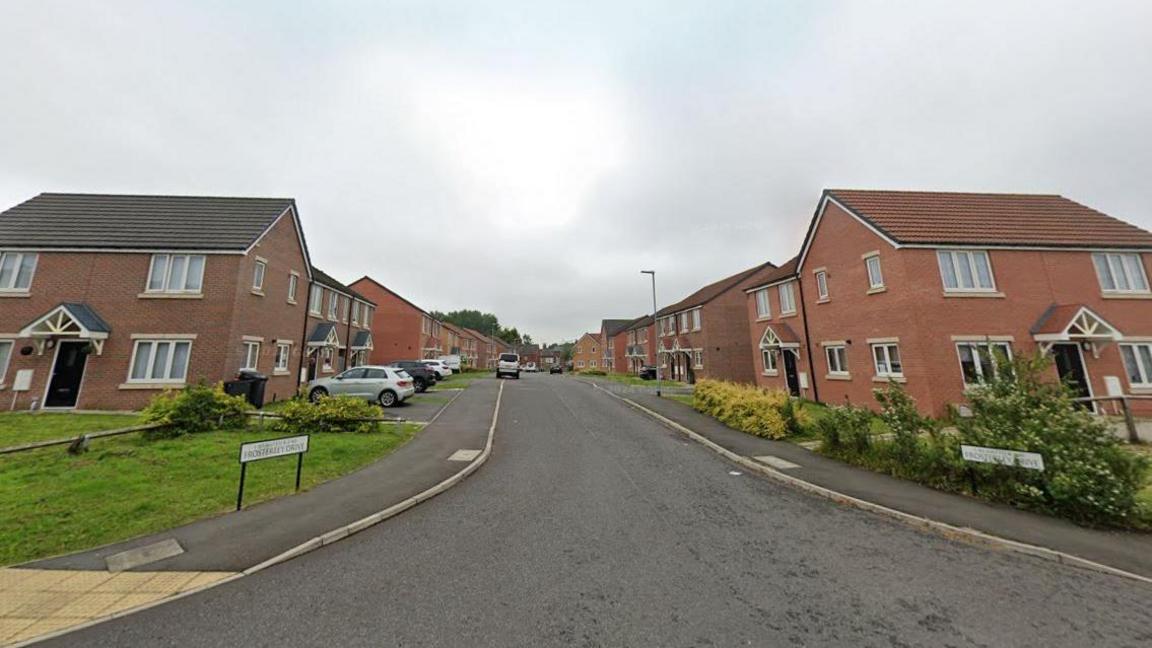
999	456
269	449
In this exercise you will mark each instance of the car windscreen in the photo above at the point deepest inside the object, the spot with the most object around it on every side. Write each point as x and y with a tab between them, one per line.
509	357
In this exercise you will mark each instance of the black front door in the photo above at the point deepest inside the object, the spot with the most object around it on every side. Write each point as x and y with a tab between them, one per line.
790	374
67	374
1070	366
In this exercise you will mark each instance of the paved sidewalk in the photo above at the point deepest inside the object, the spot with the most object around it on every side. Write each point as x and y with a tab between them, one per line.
1122	550
48	595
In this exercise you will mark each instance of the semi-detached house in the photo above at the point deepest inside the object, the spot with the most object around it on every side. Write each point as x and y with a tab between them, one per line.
638	353
339	327
928	289
614	347
400	329
105	300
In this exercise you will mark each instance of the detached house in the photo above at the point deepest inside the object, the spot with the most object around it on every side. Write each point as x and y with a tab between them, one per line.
105	300
400	329
705	335
928	289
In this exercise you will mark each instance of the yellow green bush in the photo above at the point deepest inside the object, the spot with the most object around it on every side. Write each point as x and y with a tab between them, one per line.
769	413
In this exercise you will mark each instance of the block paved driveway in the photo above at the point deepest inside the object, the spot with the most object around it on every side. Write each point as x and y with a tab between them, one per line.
593	526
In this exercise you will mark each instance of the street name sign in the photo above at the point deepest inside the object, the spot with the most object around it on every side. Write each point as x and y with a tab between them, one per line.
1030	460
273	448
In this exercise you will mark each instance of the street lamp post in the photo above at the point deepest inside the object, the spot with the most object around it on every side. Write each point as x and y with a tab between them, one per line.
656	352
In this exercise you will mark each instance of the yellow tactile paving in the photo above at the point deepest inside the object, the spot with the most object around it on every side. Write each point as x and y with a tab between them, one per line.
35	602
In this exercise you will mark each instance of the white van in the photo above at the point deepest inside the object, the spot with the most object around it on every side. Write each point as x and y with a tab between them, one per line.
452	361
509	365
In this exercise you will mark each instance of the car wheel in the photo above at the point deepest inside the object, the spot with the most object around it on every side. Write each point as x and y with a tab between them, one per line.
388	398
316	394
420	384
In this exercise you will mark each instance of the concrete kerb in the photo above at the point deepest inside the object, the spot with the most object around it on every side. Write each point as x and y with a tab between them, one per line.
941	528
314	543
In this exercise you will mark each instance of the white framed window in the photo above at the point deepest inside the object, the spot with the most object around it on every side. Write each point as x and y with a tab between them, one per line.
160	361
592	364
875	275
965	271
258	271
580	364
251	355
1120	272
698	359
16	270
684	322
332	307
315	299
283	355
763	305
293	283
368	312
787	299
822	284
886	358
696	319
5	357
344	309
356	313
981	361
768	357
326	360
426	326
1137	363
176	273
837	357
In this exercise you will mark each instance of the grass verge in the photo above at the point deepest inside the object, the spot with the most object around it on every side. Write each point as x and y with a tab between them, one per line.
53	503
629	379
17	428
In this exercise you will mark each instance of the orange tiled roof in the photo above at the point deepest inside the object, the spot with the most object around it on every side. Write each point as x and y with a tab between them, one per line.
929	217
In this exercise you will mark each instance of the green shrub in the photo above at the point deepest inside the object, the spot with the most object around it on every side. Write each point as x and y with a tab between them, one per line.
194	409
904	421
1088	476
329	414
845	431
762	412
592	372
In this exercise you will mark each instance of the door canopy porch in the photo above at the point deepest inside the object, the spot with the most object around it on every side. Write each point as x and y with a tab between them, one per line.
1074	323
68	320
324	335
779	336
362	341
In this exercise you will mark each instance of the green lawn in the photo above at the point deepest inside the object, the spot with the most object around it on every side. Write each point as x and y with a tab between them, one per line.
629	379
17	428
461	381
53	503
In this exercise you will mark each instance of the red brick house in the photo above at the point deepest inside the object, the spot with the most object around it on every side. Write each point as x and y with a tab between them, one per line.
105	300
462	343
400	329
926	289
638	353
705	335
775	314
614	345
586	353
339	327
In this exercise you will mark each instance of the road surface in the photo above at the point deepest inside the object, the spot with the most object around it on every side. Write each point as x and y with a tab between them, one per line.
593	526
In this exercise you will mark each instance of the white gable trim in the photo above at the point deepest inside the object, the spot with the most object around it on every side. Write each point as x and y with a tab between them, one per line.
827	198
291	210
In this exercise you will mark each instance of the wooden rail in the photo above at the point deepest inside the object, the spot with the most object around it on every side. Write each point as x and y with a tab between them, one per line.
90	435
1129	420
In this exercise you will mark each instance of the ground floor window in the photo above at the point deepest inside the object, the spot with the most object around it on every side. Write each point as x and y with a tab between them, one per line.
5	356
982	361
1137	363
283	353
251	355
580	364
887	357
837	357
592	363
160	361
326	359
698	359
769	358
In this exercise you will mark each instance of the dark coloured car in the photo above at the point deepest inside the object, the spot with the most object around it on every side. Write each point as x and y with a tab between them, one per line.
555	369
423	376
648	372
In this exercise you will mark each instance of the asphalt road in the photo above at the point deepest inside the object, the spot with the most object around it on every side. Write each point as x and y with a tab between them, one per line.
593	526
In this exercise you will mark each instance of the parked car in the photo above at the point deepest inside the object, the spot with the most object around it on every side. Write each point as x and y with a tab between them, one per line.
530	367
388	386
438	367
453	362
422	375
508	365
556	368
648	372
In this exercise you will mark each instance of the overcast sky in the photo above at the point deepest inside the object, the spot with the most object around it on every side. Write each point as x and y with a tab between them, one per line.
529	158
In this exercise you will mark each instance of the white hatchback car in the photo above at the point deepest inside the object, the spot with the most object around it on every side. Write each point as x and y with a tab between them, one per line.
388	386
438	367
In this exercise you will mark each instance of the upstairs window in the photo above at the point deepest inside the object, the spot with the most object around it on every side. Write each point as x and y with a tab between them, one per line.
332	298
176	273
763	305
822	284
293	282
696	319
344	309
16	270
1120	272
356	312
875	276
368	311
787	299
315	299
965	270
258	275
684	322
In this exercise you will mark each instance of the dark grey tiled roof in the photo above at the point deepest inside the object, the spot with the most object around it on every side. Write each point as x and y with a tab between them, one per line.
611	327
84	315
101	221
362	340
320	333
325	279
